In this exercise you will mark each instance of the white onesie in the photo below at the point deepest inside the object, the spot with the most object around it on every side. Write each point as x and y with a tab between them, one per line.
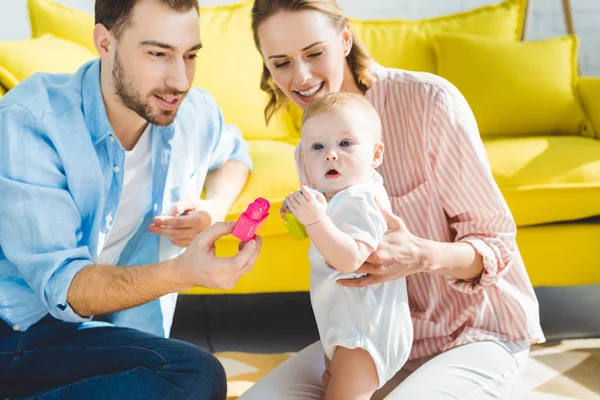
375	318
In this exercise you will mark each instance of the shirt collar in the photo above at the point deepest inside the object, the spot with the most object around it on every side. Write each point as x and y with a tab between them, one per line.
93	104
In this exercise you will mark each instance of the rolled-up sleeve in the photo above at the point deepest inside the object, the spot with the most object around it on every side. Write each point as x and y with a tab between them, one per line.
229	145
39	219
477	211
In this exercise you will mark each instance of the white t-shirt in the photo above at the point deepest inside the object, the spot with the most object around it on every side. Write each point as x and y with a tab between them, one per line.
354	212
135	201
375	318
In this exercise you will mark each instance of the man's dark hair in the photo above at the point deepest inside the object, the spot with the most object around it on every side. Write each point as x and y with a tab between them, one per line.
115	15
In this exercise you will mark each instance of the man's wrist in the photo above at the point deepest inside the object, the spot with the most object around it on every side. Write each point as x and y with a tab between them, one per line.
176	273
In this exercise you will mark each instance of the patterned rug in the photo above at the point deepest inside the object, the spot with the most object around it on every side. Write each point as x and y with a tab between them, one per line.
564	370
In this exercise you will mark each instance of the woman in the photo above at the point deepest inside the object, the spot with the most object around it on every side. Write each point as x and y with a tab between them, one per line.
473	308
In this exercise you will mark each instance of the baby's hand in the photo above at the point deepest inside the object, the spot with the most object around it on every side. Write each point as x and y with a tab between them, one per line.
308	207
284	209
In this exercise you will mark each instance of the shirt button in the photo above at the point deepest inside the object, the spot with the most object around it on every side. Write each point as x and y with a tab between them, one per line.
16	328
108	218
117	170
112	139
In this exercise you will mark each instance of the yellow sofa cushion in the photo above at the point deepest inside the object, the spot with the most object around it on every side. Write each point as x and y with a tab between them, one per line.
229	67
21	58
544	179
548	178
47	16
283	263
2	91
589	87
408	44
517	88
561	254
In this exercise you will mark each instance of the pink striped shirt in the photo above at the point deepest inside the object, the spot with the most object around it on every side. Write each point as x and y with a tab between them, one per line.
437	175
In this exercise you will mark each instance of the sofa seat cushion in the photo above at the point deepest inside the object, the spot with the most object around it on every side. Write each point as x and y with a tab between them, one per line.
544	179
548	178
561	254
273	177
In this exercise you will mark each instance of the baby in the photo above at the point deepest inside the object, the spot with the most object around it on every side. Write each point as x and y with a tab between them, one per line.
366	333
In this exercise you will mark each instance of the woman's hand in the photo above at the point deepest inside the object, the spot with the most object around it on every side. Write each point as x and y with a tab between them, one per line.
399	254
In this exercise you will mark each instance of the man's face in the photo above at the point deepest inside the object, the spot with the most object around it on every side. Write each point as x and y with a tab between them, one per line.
155	60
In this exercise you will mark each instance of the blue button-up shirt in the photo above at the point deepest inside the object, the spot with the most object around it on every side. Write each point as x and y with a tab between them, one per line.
59	190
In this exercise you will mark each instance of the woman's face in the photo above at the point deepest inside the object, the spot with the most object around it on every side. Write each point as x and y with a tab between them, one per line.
305	54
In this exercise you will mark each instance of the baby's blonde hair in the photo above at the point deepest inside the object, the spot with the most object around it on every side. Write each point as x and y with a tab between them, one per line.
332	102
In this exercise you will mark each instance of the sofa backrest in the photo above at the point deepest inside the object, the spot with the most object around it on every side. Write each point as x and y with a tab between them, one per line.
229	66
408	44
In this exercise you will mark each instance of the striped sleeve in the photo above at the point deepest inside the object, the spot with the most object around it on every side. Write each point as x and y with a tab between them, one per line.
477	211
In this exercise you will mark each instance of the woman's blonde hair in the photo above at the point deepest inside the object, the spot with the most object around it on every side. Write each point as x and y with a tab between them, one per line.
358	58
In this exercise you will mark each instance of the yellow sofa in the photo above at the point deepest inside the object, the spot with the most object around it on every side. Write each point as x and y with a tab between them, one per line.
539	127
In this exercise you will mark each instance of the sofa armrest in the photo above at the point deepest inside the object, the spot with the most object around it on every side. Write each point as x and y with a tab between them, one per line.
589	88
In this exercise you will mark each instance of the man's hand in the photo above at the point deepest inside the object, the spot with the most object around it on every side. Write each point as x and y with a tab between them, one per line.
186	220
399	254
201	267
308	207
104	289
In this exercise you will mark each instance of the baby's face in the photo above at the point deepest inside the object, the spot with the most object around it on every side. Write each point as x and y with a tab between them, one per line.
339	149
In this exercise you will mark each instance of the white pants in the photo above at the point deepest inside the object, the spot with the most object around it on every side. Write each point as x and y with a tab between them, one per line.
477	371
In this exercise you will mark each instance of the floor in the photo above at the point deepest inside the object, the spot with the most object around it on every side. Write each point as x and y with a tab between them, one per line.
565	368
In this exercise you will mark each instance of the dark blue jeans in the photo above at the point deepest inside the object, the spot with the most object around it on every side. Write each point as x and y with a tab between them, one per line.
96	360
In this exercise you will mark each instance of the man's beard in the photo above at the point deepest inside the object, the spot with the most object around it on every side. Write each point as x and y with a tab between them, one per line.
126	91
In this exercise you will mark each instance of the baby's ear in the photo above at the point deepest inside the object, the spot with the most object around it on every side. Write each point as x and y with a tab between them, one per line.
377	155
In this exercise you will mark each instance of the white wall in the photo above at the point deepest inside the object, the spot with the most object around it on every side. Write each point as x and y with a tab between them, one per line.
546	21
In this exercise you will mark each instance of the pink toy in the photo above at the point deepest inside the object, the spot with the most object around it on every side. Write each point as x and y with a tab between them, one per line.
252	220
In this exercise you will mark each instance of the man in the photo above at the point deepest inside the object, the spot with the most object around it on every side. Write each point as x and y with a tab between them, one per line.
100	177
